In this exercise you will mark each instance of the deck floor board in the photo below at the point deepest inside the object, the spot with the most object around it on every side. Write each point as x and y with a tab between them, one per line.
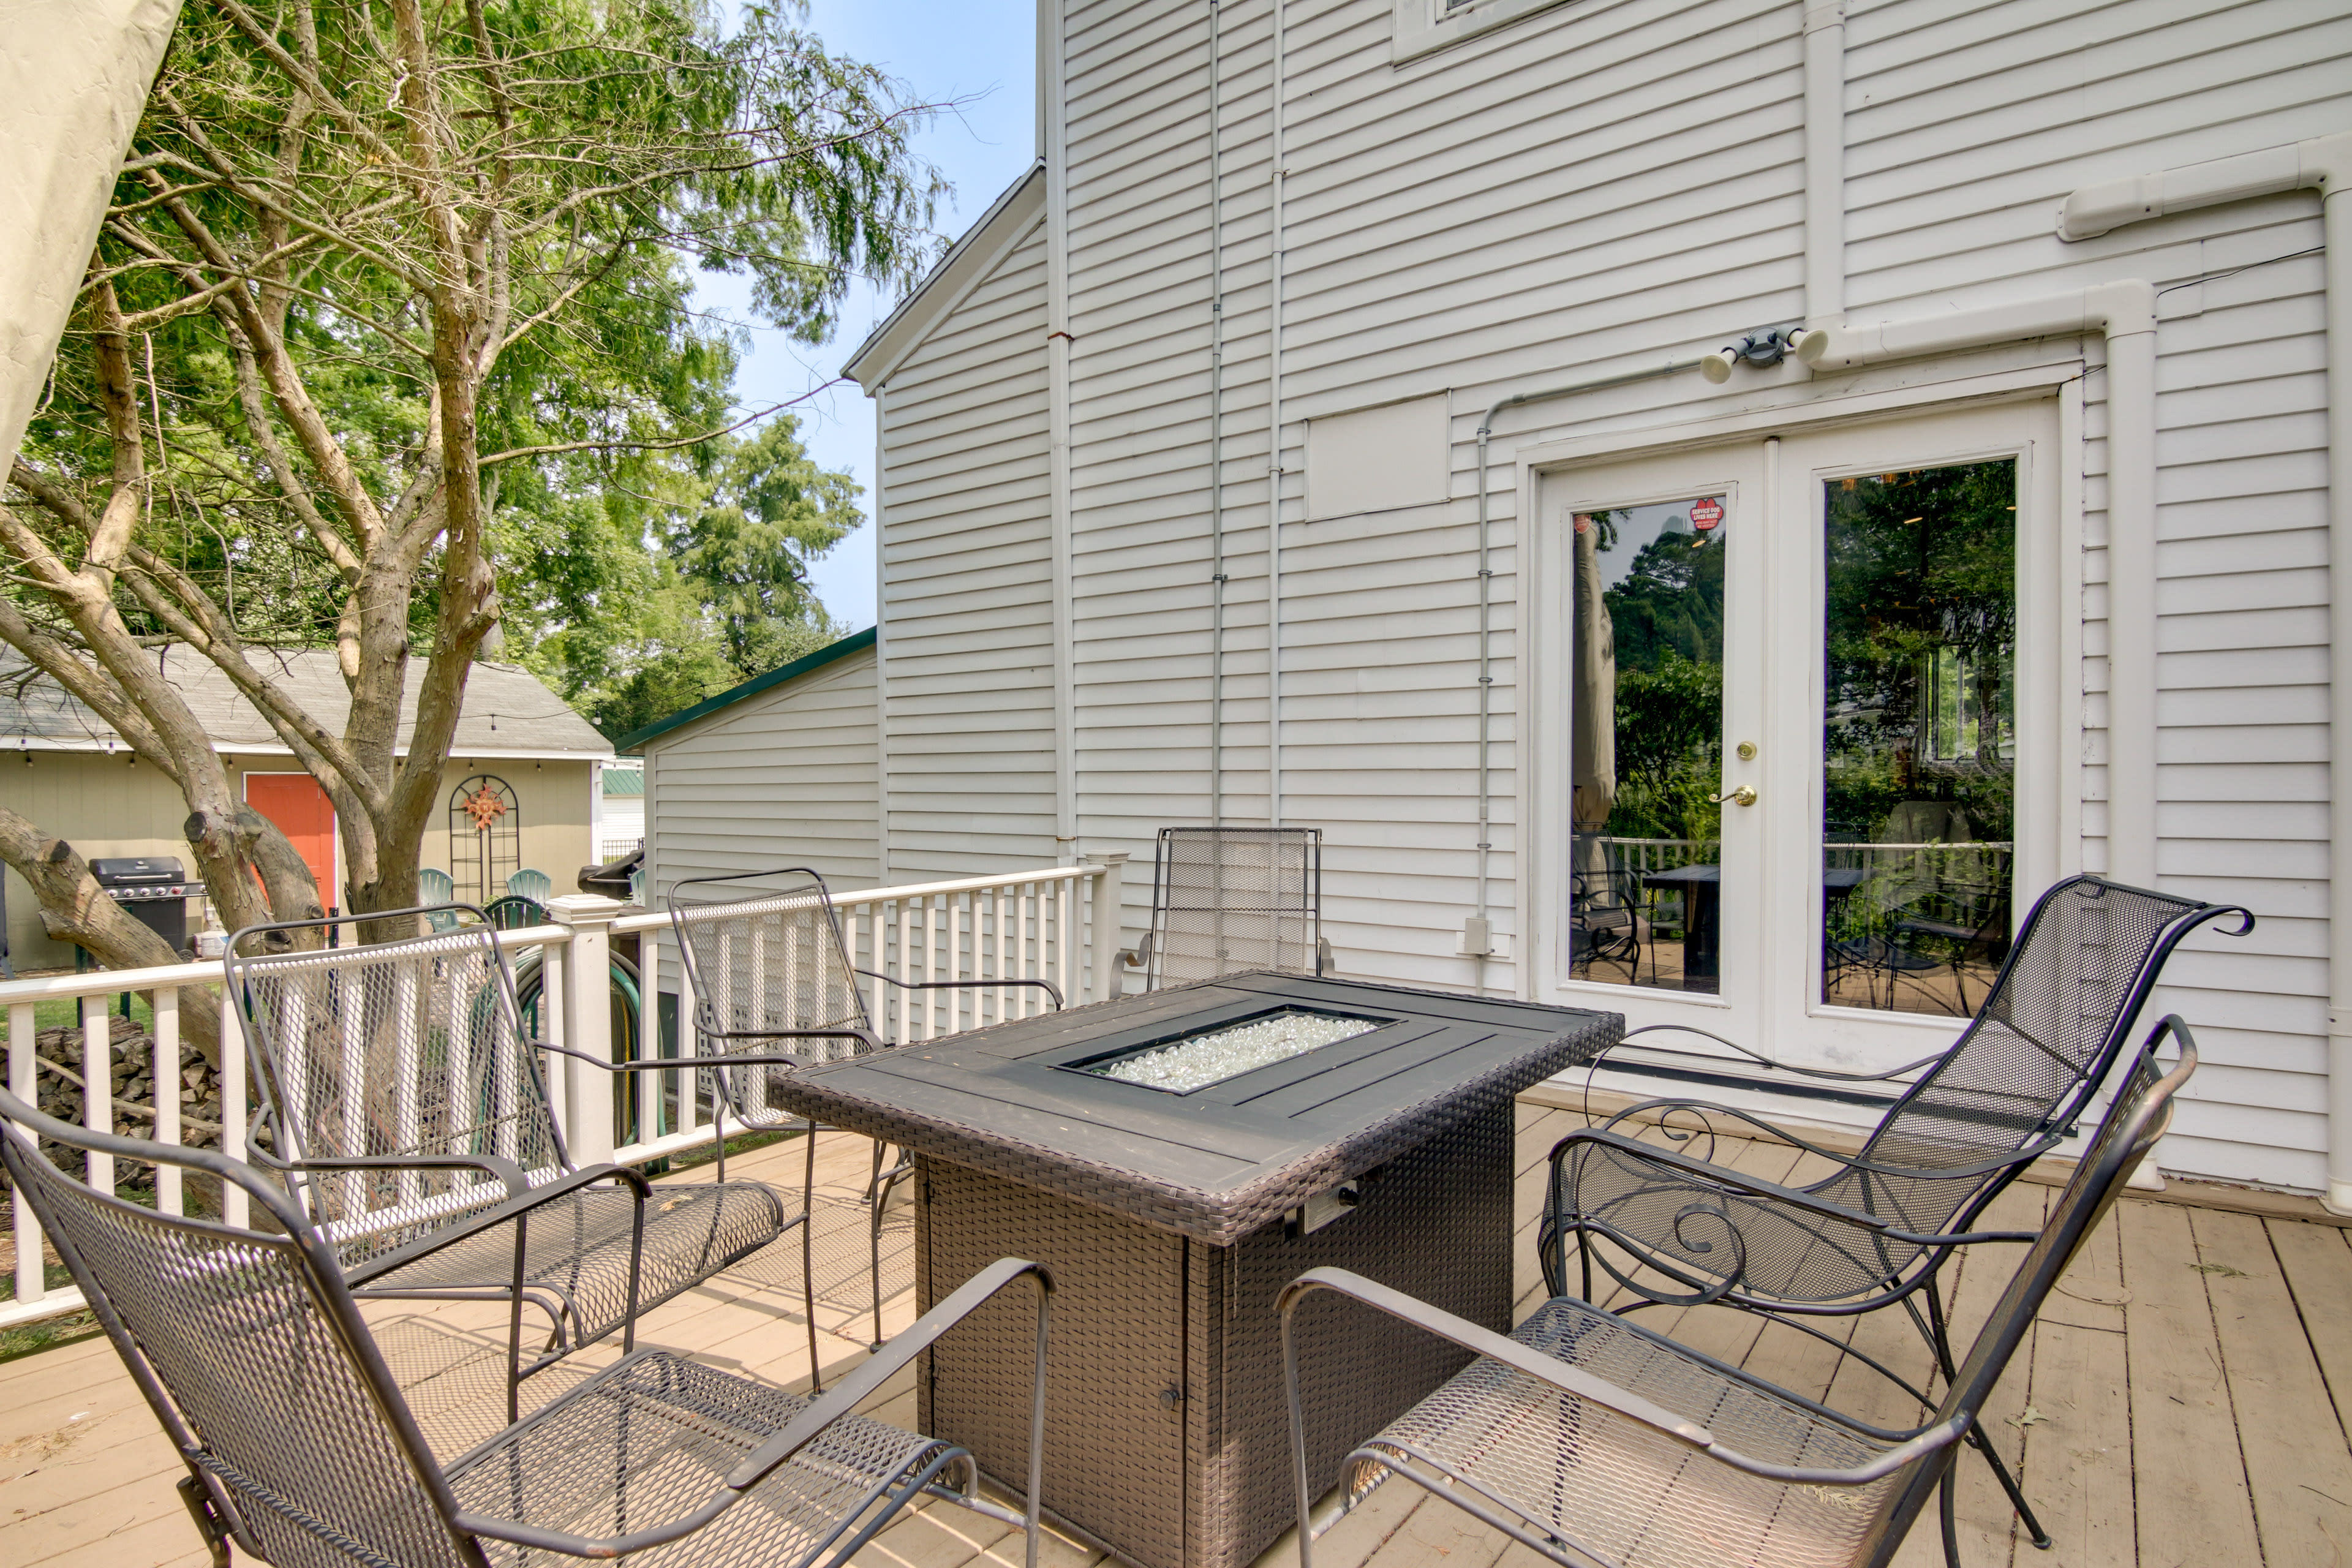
2180	1401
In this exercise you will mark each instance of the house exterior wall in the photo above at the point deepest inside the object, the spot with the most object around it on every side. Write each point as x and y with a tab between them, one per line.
965	574
1592	188
108	806
785	777
552	798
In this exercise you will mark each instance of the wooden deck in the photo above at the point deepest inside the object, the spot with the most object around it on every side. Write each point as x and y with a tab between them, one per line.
2180	1402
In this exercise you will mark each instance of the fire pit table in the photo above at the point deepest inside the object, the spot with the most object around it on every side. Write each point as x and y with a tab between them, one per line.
1176	1159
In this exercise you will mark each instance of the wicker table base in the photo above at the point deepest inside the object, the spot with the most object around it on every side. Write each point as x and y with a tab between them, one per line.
1167	1443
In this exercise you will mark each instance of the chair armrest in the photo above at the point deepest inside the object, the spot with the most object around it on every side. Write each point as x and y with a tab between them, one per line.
2034	1150
1046	985
840	1400
677	1064
1762	1060
1756	1186
490	1218
1582	1385
505	1170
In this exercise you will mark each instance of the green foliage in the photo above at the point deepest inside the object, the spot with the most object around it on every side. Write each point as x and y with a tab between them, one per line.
1670	600
1667	615
1921	588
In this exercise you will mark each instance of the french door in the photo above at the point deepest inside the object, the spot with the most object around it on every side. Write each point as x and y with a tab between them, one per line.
1796	723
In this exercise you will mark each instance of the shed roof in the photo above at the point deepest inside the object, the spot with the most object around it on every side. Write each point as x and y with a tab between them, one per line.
507	712
635	739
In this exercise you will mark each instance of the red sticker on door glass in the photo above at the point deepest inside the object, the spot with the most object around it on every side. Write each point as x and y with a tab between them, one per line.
1705	514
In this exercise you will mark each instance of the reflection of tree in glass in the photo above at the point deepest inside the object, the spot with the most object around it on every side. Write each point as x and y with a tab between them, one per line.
1668	616
1921	573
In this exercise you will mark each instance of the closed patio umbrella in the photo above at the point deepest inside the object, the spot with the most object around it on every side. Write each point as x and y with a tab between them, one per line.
1592	741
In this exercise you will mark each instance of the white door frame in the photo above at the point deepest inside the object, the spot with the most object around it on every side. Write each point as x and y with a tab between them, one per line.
2050	571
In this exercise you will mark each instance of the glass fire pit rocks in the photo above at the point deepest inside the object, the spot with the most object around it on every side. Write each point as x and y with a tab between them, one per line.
1194	1061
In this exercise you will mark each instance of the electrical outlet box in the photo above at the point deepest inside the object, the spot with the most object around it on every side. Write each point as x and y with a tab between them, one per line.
1479	939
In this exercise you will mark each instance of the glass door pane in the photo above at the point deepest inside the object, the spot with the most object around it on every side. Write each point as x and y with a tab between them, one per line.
1646	745
1919	736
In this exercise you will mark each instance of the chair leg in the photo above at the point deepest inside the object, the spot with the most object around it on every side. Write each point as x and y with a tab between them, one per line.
808	1259
1941	1341
1944	1515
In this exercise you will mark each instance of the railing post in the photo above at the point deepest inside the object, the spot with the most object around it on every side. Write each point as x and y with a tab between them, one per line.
1106	921
587	1021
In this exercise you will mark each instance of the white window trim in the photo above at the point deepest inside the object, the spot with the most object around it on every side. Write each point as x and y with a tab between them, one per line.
1425	27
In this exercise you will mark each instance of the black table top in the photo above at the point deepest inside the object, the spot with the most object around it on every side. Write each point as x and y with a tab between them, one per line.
1219	1162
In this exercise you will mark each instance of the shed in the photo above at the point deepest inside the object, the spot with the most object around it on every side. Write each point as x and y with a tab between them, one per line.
72	774
780	770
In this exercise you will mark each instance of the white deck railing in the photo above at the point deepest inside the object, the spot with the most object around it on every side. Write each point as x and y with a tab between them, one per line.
1057	922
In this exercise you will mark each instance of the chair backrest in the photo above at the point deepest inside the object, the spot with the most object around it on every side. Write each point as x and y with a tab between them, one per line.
2060	1012
437	887
2141	1110
397	1048
1225	899
249	1349
764	959
536	886
513	912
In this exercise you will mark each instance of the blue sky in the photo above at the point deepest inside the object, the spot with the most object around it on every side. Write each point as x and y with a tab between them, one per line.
980	49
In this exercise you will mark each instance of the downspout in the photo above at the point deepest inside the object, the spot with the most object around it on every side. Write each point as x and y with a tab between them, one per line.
2125	313
1058	379
1216	429
1824	163
1478	931
1274	444
2325	164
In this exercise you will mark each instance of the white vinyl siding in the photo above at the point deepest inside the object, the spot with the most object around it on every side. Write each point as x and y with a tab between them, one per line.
784	777
1593	188
969	648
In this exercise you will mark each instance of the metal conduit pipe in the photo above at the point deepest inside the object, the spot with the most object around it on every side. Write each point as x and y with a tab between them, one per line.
1216	429
1478	938
2322	163
1274	441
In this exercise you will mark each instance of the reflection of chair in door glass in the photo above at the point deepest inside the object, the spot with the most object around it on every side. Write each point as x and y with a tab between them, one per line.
1919	745
1646	739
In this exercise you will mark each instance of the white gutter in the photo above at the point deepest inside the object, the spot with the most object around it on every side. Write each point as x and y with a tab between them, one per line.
1057	378
2125	312
2325	164
1274	443
1824	163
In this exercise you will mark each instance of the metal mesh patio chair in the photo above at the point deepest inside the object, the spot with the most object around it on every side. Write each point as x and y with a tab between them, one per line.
404	1104
2007	1092
1593	1441
302	1451
1227	899
774	989
1607	922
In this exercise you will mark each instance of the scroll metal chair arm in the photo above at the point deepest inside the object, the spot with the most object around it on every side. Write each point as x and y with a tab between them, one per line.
1046	985
1575	1381
841	1400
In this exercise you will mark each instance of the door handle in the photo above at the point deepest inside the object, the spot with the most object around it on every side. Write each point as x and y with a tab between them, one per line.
1744	795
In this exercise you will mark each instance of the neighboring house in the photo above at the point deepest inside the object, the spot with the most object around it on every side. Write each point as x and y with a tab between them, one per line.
620	810
64	769
778	771
1098	616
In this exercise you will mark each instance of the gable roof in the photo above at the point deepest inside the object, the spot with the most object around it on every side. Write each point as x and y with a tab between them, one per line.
960	271
507	714
856	641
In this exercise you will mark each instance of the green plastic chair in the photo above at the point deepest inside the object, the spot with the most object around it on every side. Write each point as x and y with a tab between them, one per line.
536	886
437	887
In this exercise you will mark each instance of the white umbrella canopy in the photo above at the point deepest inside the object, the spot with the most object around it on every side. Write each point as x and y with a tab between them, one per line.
74	75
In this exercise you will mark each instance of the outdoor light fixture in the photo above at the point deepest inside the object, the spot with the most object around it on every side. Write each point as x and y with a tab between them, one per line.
1766	346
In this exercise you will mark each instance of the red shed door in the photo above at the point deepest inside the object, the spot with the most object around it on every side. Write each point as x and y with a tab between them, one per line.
302	812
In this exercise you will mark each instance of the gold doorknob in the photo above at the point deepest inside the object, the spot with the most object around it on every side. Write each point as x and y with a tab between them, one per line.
1744	795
